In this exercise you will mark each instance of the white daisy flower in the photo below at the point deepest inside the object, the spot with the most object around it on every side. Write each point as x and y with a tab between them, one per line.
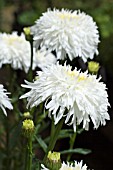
4	100
66	32
15	50
73	166
74	95
43	60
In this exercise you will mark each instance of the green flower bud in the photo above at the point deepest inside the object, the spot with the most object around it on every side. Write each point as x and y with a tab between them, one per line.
27	115
53	161
93	67
27	30
28	35
28	127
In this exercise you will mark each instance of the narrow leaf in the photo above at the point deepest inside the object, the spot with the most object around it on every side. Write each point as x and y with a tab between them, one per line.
77	150
41	143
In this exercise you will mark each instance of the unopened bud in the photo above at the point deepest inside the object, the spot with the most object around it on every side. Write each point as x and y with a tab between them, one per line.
27	115
28	35
93	67
27	30
28	127
53	161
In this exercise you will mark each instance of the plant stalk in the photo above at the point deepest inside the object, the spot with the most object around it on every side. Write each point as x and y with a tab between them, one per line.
54	136
72	141
28	159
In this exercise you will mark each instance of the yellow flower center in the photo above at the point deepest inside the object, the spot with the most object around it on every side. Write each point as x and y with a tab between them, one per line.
72	73
82	77
67	16
12	40
75	74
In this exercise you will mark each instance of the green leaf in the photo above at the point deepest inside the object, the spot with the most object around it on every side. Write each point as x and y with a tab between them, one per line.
77	150
41	143
65	133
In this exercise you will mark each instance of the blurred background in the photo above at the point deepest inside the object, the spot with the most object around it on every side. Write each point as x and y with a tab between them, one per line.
16	14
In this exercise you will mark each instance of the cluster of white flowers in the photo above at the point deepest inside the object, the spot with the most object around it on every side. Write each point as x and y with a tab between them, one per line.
73	166
66	32
4	100
64	89
71	94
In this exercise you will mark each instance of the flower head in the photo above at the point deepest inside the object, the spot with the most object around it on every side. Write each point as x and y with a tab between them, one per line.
74	95
4	100
67	166
15	50
66	32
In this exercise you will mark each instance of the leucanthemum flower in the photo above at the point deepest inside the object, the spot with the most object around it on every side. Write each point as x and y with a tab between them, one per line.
79	97
67	32
4	100
73	166
67	166
15	50
42	59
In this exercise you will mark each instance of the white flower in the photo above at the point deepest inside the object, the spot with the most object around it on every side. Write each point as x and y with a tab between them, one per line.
4	100
66	32
73	166
15	50
81	94
68	166
43	60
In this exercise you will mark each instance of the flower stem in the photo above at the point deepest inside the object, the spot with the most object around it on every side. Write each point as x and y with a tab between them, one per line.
54	136
28	160
72	141
7	143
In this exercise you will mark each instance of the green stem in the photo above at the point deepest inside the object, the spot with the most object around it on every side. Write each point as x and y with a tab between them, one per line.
54	136
7	143
28	160
72	141
12	81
